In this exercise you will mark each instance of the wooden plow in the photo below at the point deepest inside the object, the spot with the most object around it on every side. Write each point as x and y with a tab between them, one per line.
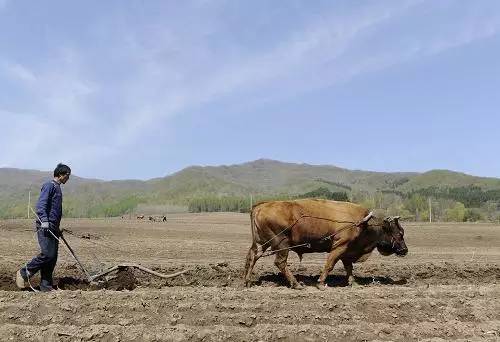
119	267
92	278
123	266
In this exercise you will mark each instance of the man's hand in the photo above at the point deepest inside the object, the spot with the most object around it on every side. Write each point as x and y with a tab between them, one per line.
45	225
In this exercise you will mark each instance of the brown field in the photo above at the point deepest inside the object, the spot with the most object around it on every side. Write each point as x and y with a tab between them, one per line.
446	289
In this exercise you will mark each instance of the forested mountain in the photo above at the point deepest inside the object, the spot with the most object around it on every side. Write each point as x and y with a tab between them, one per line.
229	187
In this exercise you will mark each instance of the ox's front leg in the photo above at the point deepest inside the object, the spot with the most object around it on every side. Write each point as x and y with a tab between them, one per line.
280	262
332	259
348	269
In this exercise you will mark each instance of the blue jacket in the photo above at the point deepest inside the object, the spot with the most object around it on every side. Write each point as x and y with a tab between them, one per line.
49	205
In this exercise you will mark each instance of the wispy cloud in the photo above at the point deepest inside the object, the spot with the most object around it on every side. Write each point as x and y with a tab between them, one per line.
18	72
27	132
55	117
96	98
319	54
305	49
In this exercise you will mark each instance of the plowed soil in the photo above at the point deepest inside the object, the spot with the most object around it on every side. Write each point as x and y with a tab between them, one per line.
446	289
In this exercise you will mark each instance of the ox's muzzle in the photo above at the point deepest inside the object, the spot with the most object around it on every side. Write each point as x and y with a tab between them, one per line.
388	248
401	252
400	248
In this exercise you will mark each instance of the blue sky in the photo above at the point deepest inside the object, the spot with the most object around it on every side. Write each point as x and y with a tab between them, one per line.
142	89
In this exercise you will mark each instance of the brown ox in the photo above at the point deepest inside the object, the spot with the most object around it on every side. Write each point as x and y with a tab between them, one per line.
346	231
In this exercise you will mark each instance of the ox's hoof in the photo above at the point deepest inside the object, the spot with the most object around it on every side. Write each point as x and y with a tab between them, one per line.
298	286
351	281
321	286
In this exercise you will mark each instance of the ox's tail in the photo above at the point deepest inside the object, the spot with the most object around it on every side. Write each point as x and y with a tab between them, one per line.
252	227
252	251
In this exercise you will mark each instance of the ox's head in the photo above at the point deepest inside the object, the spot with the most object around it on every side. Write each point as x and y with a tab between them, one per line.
392	237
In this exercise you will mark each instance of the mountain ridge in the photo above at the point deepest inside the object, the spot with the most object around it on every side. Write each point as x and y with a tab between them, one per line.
264	177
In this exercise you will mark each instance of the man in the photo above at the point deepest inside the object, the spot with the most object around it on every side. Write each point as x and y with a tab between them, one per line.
49	211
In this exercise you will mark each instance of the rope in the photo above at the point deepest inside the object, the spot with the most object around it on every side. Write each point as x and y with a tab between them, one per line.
308	245
100	265
96	243
300	218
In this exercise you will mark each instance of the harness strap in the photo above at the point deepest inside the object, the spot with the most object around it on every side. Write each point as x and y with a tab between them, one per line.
308	244
308	216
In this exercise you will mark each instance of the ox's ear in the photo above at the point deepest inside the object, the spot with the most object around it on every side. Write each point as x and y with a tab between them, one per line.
390	219
366	218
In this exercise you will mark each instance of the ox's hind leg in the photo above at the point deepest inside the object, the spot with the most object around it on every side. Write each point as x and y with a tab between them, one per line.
300	267
250	263
280	262
252	256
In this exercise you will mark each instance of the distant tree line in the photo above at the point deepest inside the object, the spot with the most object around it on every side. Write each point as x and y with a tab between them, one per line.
325	193
459	204
471	196
242	204
215	203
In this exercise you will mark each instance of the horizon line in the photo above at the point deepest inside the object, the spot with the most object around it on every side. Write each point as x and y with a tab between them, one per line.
249	162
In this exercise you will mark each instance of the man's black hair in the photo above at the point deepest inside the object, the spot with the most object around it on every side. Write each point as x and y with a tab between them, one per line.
61	170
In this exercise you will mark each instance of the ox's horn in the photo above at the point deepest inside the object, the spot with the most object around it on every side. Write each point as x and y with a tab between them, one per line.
396	218
367	218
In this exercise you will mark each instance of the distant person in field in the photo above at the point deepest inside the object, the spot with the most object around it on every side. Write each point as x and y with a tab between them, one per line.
49	211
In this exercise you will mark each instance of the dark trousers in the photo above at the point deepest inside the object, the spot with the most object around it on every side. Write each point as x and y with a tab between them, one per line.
45	262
